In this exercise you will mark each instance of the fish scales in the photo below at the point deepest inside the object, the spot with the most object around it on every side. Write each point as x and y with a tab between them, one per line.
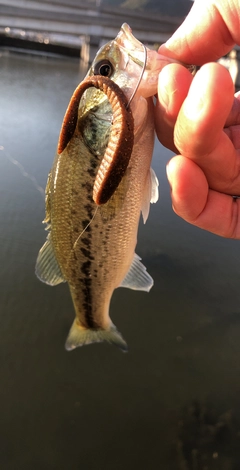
103	262
92	247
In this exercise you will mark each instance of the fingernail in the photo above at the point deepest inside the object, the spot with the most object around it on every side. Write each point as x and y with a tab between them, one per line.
164	97
162	90
169	173
193	104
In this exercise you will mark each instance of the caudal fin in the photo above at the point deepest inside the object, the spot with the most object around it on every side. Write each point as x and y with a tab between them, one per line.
79	336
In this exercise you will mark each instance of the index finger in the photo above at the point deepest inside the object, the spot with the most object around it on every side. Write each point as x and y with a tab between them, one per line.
199	133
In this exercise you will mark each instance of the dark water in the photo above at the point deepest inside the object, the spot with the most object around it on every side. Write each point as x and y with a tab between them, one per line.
172	402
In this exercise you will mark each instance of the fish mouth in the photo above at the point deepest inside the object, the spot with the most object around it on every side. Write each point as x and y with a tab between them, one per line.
126	39
134	42
135	49
128	33
150	61
138	53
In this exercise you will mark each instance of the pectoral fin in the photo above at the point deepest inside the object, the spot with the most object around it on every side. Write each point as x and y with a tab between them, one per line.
137	277
47	268
151	193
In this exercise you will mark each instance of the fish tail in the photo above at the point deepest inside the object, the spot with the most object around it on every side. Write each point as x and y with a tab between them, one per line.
79	336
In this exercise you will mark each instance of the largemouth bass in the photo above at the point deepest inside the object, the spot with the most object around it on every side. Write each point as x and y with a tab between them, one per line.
90	246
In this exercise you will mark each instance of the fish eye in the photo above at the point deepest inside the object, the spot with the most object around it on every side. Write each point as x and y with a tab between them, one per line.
104	68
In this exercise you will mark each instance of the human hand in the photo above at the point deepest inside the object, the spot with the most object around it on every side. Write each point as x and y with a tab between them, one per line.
200	117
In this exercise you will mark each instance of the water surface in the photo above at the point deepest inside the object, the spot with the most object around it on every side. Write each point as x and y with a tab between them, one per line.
172	402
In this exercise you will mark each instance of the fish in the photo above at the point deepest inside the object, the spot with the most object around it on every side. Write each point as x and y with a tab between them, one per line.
91	239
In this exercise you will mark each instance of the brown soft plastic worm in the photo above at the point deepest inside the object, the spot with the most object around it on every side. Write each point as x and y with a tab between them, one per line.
118	152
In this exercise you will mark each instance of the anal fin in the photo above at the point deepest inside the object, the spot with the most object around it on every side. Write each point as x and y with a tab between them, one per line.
137	277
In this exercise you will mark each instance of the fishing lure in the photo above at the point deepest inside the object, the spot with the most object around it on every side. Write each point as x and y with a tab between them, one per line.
118	152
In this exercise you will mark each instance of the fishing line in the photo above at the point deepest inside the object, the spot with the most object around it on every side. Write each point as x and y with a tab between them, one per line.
23	171
84	230
141	75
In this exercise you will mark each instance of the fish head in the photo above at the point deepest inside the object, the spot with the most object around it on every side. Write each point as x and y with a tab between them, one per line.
134	67
131	65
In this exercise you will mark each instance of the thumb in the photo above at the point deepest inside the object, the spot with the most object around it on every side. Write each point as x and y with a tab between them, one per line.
209	31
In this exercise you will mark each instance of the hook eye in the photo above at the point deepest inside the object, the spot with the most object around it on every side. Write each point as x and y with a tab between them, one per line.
104	68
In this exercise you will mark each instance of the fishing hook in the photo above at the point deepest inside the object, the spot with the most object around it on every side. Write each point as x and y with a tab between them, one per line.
140	76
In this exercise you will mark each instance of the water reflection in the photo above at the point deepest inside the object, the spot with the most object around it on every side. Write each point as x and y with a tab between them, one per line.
173	401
